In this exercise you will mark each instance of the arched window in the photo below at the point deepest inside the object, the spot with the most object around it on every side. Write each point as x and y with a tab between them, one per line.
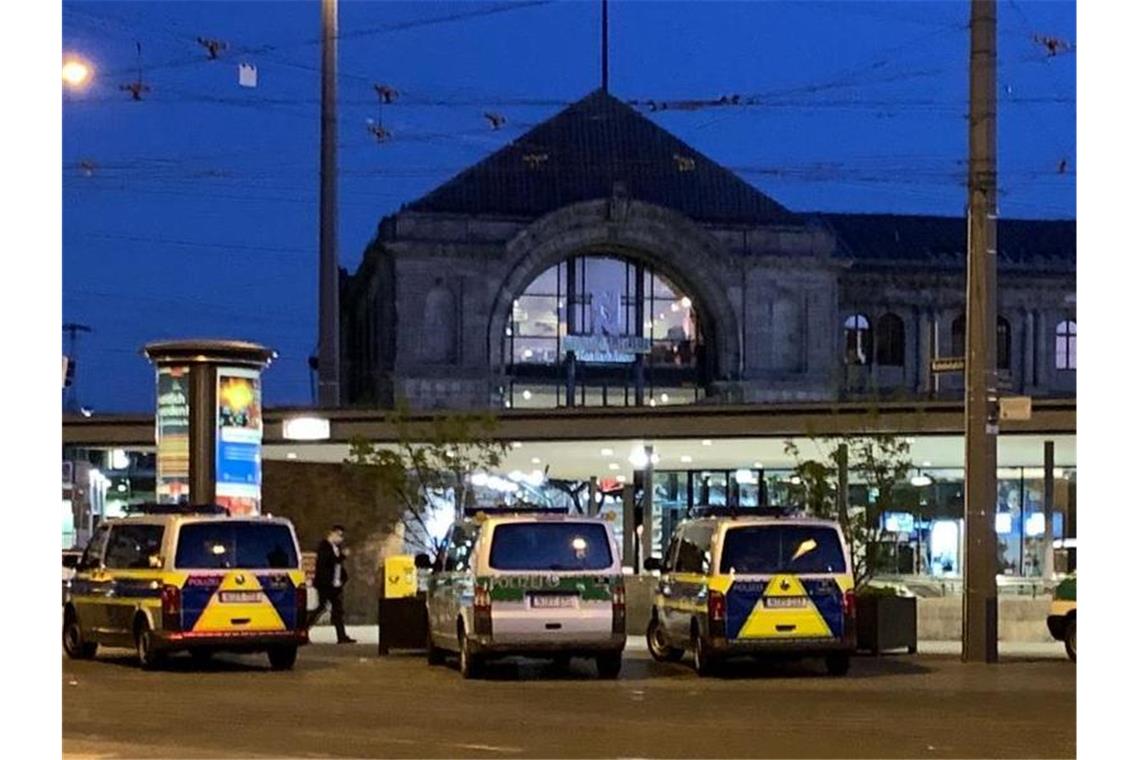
1066	344
958	336
1003	340
857	336
890	341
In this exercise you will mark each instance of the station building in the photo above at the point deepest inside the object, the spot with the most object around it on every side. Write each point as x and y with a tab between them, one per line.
601	287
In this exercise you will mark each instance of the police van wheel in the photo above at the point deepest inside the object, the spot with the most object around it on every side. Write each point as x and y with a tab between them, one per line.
73	643
145	652
282	657
702	662
838	664
659	648
1071	639
609	665
470	664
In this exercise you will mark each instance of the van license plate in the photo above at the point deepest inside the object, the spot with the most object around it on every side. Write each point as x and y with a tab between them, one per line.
785	601
240	597
547	601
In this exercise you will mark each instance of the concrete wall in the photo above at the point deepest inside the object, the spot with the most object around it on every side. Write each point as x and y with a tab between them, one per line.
315	496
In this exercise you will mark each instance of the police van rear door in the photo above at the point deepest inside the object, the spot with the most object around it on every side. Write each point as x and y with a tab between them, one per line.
788	581
241	576
552	578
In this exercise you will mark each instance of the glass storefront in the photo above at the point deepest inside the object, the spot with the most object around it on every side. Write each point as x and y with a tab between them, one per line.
922	535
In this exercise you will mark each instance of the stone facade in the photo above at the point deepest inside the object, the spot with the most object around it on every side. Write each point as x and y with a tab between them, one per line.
423	318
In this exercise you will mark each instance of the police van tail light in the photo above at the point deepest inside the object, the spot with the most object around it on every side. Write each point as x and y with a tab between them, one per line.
849	603
618	609
482	611
301	602
171	608
717	607
482	598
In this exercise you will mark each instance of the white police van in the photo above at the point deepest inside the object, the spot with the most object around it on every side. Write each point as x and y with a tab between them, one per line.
540	584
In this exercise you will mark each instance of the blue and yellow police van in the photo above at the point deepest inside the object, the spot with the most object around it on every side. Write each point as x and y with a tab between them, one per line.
169	578
754	584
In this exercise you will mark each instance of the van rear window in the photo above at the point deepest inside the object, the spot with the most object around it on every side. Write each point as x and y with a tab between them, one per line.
551	546
247	545
756	549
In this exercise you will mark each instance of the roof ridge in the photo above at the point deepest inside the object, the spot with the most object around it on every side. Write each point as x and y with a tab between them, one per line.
583	152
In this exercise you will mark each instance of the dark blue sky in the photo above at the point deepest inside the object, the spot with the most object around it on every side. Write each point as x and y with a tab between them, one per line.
194	212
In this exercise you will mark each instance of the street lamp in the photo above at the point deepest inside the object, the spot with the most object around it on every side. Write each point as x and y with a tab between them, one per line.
76	72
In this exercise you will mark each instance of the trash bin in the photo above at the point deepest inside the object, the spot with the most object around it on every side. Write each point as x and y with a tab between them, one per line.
402	616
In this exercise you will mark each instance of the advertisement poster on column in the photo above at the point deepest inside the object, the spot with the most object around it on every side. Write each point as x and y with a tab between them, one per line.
172	434
238	462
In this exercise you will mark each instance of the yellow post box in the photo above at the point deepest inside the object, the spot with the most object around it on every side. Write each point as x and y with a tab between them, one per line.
399	576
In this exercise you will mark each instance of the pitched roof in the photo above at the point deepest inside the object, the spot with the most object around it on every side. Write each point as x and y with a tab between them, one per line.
893	239
582	151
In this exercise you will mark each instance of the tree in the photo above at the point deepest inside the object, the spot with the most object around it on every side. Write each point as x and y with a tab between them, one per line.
424	473
881	462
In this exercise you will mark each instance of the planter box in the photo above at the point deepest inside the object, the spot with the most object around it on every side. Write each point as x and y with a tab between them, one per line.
402	623
886	622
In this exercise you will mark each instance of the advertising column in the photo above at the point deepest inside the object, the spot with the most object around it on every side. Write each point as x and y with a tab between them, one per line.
172	435
208	425
238	442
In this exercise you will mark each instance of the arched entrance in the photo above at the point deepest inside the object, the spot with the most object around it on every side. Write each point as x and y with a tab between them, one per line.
604	329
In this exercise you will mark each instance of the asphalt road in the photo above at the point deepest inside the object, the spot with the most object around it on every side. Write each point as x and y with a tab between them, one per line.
347	702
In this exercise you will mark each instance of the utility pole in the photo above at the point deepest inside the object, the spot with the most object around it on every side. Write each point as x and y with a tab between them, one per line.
328	366
605	46
71	395
979	602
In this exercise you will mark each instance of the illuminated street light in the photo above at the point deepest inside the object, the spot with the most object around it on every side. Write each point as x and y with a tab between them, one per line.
76	73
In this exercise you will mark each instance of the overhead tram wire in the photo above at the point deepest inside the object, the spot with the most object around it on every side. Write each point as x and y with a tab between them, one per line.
253	50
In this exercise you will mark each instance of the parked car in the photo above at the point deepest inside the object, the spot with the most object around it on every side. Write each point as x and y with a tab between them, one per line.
172	578
1062	620
70	560
754	585
543	584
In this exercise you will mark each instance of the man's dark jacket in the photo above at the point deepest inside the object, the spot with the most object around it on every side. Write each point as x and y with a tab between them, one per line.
327	559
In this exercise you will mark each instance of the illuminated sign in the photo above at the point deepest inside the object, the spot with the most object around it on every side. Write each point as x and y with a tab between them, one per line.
237	469
606	349
172	434
306	429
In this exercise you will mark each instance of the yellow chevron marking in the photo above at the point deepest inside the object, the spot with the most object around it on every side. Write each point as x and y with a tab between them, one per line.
805	622
219	615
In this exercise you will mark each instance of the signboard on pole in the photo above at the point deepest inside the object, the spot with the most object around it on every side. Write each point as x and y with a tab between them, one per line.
238	442
172	434
1015	408
948	364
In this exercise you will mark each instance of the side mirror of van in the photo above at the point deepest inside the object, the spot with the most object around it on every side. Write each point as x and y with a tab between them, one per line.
653	563
423	561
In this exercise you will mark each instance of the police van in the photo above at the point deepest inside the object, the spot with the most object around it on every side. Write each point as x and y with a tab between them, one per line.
170	578
539	584
754	585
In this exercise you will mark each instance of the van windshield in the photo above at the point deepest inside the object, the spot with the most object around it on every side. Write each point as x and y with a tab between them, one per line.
551	546
248	545
761	549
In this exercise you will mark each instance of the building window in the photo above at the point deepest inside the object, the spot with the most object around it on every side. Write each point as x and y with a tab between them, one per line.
1066	344
958	337
857	333
1003	340
890	339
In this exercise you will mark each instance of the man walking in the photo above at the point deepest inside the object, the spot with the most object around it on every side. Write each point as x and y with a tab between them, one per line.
329	579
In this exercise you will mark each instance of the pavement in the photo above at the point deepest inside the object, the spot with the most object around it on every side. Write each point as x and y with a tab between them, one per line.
344	701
